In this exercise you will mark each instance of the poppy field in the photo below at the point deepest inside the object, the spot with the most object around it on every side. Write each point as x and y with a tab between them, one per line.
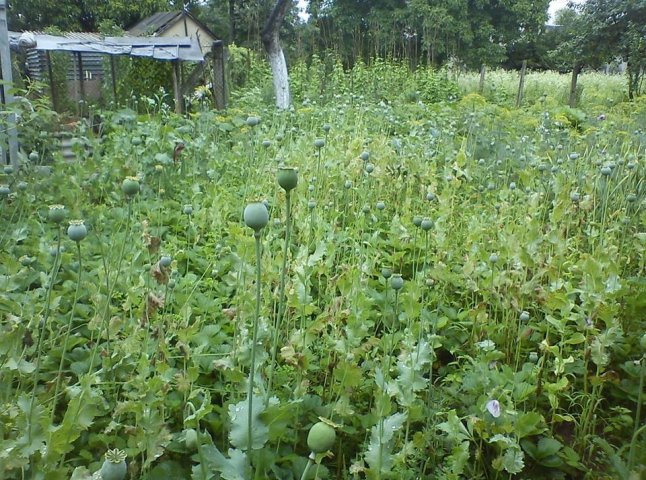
350	289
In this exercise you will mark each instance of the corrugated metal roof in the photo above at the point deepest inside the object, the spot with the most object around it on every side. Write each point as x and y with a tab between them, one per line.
160	48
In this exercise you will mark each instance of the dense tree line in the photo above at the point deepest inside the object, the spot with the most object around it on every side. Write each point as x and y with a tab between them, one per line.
470	33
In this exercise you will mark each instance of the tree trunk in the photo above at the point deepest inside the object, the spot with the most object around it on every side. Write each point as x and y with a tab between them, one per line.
575	77
271	41
232	21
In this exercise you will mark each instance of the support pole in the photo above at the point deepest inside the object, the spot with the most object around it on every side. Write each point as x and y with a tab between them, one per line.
177	89
219	81
52	87
5	60
79	60
521	84
113	73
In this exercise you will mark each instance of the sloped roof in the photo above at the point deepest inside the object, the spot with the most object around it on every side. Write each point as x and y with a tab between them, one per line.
157	23
160	48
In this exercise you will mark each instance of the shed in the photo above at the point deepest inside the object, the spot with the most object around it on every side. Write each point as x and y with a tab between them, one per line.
175	24
174	49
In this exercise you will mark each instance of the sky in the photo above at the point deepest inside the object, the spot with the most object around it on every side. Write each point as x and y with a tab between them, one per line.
555	6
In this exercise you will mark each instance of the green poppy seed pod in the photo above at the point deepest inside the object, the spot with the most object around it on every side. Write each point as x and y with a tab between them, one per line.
188	209
311	204
266	143
253	121
365	156
114	467
575	196
366	209
287	178
256	216
33	156
77	230
631	197
327	127
319	143
533	357
524	316
321	437
426	224
430	196
136	141
165	261
25	260
493	258
22	186
57	213
417	221
381	205
396	282
4	190
348	184
130	186
190	438
370	168
386	273
8	169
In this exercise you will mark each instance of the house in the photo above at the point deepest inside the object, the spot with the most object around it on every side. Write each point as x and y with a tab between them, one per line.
175	24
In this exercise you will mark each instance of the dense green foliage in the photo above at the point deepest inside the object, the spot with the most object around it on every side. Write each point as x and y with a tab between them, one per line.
463	293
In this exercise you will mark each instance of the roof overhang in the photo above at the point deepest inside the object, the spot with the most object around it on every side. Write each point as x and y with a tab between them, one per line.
160	48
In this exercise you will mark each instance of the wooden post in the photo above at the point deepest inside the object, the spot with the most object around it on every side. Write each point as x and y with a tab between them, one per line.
113	73
521	84
177	89
79	60
52	87
483	69
5	61
573	82
219	82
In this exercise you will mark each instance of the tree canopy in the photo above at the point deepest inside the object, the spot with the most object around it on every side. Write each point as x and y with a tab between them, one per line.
81	15
432	32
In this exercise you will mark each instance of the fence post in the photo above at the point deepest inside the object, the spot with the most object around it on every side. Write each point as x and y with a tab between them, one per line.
7	96
219	82
483	69
521	84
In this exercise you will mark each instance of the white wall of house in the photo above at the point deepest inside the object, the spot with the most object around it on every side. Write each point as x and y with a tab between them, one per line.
188	28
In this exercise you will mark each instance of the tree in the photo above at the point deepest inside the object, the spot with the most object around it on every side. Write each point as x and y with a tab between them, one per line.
618	29
80	15
604	31
271	41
